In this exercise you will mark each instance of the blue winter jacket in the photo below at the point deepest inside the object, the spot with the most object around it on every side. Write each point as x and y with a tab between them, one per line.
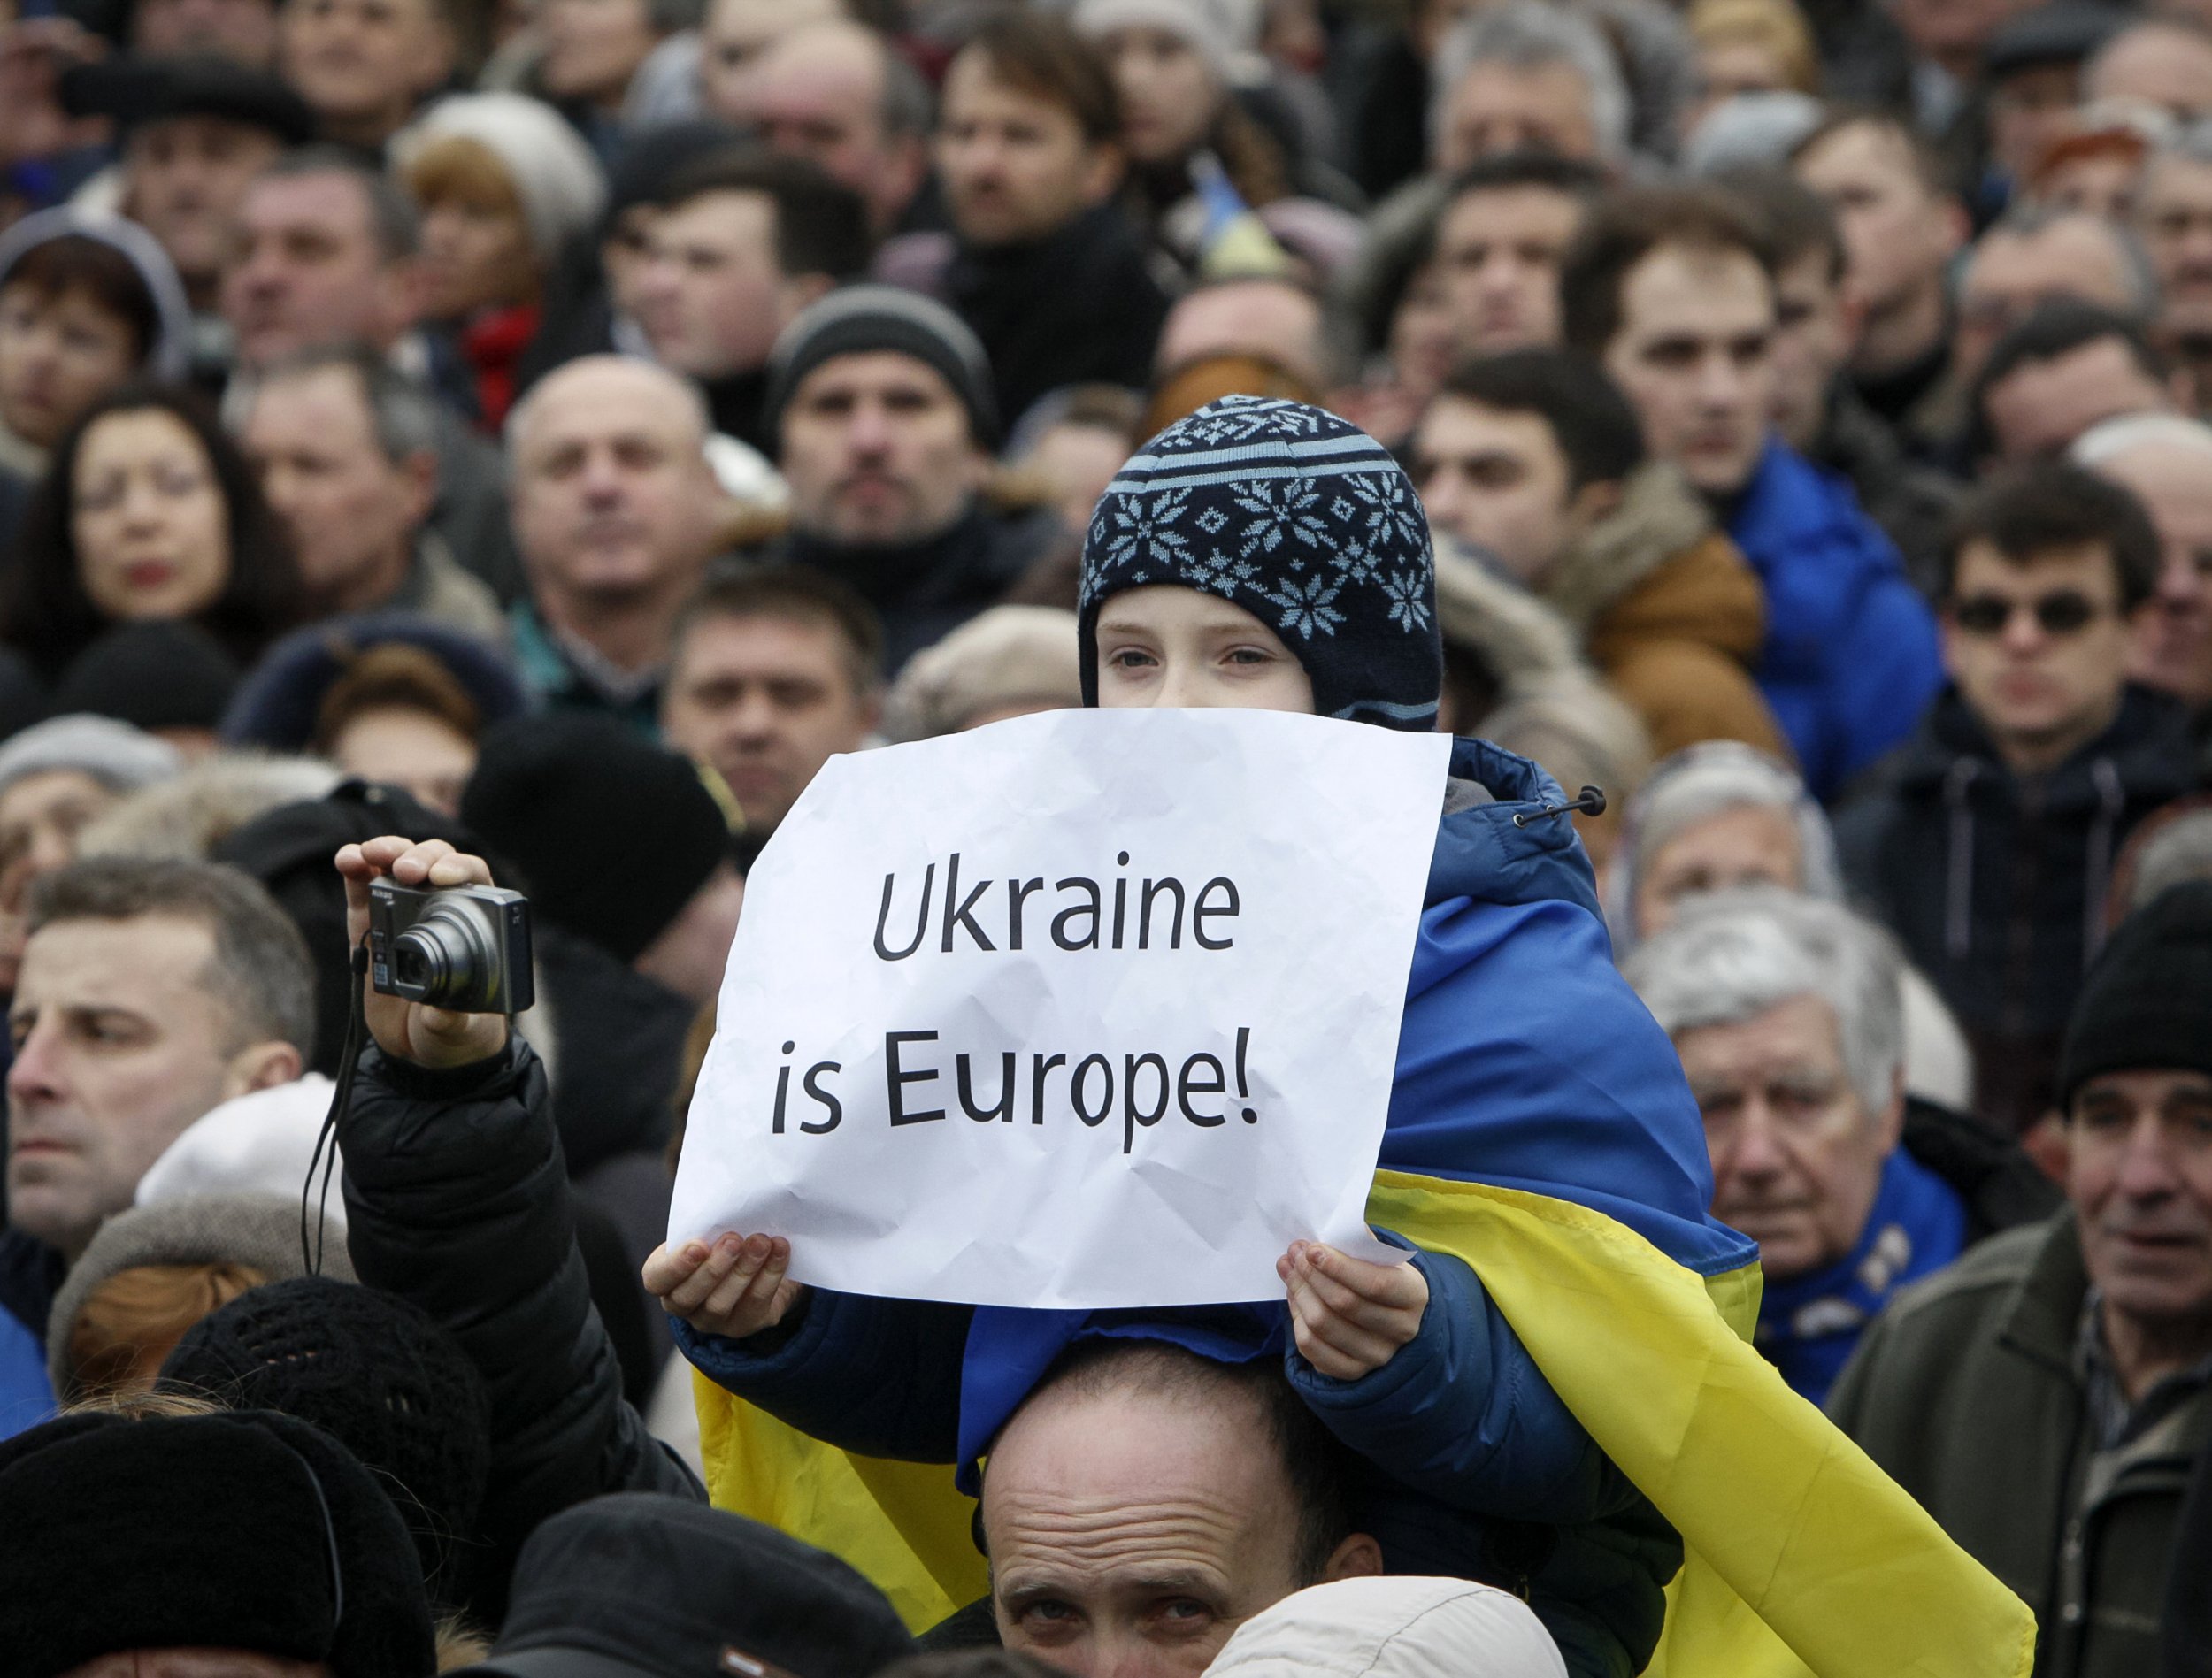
1524	1060
1850	660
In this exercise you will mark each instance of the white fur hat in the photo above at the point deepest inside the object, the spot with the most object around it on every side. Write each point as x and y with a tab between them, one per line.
560	183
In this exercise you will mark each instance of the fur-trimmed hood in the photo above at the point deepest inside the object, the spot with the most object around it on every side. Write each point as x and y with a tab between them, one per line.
1518	637
1660	515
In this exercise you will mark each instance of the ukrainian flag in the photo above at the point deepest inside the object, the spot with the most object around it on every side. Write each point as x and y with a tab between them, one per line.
1542	1132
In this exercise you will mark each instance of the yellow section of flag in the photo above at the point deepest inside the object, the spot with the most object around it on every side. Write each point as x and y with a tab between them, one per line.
1802	1556
902	1523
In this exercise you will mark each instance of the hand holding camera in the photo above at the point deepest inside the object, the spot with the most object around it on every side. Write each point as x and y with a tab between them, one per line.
451	970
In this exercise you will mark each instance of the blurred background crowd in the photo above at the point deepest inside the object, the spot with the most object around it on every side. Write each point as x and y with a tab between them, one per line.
560	426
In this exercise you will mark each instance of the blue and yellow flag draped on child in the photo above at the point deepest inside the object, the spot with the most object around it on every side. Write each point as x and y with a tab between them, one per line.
1542	1132
1803	1555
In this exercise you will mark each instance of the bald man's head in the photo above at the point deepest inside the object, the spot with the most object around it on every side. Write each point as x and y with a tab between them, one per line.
1144	1502
836	93
614	505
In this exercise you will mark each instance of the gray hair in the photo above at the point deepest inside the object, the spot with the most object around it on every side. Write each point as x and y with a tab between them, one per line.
393	222
1529	34
2177	851
2024	221
402	411
1733	955
1692	786
261	972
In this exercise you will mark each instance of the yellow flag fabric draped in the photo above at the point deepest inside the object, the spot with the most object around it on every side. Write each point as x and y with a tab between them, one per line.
1802	1556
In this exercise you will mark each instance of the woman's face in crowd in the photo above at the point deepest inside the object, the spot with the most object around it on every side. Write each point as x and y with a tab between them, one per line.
1166	645
475	254
58	355
1750	845
1168	94
151	530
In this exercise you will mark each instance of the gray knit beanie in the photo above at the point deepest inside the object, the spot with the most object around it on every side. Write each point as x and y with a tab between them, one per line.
114	754
260	1230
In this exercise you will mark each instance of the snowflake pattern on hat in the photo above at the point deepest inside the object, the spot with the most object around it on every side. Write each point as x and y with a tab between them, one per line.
1302	519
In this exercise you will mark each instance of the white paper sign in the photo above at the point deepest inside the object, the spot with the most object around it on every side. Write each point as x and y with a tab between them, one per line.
1091	1009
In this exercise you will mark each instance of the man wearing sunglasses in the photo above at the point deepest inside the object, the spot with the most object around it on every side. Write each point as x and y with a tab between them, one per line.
1987	842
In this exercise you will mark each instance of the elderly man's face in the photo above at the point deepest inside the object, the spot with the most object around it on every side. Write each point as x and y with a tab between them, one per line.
1131	1533
120	1044
2038	409
1498	108
877	450
2011	273
1797	1156
819	95
612	497
1695	356
2156	63
307	271
2139	1174
2173	216
2172	647
1750	845
40	816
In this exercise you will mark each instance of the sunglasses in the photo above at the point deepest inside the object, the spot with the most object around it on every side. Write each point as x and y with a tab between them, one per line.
2068	612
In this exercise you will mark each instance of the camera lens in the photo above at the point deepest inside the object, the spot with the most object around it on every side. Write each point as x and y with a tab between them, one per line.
445	955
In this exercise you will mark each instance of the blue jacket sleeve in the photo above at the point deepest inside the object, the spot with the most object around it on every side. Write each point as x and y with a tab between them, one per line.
1462	1412
877	1377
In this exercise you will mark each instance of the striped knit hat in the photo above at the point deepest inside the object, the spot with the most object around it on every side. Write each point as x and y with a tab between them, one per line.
1302	519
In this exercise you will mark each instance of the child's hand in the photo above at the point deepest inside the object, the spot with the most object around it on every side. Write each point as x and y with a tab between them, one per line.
1350	1316
736	1287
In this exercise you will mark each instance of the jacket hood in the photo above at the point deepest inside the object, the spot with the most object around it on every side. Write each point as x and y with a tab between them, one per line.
2147	746
1660	515
1520	638
170	355
1483	857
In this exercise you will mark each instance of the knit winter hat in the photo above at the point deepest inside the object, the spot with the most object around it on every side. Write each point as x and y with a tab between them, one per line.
855	320
555	175
261	1230
375	1372
248	1530
1392	1627
158	672
612	835
1219	31
1304	521
114	754
2142	1005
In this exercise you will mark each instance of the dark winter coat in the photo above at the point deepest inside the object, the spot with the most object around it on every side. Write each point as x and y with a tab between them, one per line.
1079	307
1997	885
925	590
1970	1392
457	1199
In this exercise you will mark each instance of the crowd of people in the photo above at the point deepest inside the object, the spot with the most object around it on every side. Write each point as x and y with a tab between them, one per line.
525	441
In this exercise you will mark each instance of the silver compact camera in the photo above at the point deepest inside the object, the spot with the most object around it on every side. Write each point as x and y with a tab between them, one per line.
465	948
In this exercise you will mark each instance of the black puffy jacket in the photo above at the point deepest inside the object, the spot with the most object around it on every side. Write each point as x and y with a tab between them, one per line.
457	1199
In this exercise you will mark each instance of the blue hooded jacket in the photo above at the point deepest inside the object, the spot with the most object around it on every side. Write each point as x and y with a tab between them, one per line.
1850	660
1524	1061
